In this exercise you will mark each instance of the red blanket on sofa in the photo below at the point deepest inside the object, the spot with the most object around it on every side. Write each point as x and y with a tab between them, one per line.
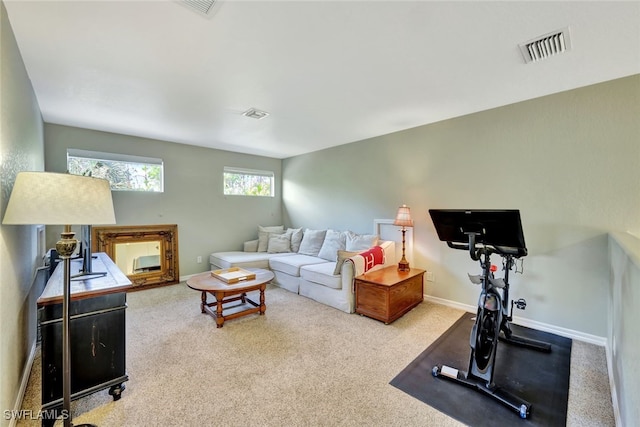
365	261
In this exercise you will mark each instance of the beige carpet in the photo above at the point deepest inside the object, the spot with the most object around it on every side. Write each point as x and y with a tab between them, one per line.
301	364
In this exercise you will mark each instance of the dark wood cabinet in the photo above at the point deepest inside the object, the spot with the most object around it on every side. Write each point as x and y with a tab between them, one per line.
387	294
97	332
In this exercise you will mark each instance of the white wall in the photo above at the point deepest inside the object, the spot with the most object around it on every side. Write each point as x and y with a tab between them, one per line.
568	161
21	149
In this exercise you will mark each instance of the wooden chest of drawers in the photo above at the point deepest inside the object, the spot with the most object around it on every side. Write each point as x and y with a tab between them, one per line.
388	294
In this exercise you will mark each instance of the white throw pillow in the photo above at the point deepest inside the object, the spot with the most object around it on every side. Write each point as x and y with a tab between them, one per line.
279	243
342	257
296	238
312	242
334	241
264	233
360	242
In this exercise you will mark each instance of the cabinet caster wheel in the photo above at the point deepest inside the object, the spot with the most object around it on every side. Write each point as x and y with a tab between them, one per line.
116	391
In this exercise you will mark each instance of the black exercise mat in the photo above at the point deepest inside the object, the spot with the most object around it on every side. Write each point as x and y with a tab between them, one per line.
540	378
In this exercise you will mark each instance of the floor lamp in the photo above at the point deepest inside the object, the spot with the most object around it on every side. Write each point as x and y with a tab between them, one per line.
61	199
403	219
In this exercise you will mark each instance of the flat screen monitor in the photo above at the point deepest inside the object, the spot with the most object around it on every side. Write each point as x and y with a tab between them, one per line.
85	249
491	227
86	272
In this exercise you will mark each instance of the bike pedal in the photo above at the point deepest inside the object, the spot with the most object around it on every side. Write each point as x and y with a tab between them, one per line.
521	304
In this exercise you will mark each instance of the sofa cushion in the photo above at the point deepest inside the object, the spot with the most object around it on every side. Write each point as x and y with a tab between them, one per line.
250	246
242	259
360	242
279	243
342	256
296	238
334	241
322	274
291	264
311	242
264	233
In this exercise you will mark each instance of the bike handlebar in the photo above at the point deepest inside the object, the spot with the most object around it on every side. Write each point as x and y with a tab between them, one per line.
489	249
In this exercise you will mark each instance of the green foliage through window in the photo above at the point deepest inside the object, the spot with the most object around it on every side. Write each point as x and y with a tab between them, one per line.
122	171
247	182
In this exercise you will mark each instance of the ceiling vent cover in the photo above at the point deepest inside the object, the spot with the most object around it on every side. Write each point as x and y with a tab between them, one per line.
204	7
254	113
545	46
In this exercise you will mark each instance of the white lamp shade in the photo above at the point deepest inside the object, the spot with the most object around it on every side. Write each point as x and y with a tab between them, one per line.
403	217
59	199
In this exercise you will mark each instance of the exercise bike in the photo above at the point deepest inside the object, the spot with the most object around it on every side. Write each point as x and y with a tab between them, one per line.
484	233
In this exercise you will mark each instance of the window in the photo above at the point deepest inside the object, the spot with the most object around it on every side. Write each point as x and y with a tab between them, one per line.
248	182
124	172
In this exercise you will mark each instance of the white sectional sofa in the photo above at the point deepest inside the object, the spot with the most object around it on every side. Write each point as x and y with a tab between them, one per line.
317	264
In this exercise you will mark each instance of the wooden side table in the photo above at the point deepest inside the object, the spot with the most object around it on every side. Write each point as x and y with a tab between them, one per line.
387	294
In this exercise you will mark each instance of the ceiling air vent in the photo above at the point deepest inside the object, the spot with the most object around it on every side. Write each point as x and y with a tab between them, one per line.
204	7
545	46
254	113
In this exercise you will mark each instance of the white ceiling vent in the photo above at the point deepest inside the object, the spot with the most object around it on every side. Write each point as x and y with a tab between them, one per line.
204	7
545	46
254	113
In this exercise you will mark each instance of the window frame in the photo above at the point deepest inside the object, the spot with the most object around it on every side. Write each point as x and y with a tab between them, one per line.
253	172
120	158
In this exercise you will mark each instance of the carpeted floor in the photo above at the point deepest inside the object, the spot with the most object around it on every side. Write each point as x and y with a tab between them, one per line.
302	364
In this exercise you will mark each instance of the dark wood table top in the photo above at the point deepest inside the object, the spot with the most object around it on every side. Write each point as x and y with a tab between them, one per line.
206	282
114	281
389	276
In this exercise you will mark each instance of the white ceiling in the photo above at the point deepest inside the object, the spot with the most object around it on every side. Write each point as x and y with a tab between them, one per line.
329	73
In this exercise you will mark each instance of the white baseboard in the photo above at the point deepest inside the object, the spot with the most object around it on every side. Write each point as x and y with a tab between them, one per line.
449	303
564	332
188	276
26	372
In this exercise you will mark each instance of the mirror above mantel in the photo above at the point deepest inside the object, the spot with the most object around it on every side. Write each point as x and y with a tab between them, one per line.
147	254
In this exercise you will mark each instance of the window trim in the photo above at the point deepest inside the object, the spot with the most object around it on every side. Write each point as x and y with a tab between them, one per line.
101	155
246	171
117	157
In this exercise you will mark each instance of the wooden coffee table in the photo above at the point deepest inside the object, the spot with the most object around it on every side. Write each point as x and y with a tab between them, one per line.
225	293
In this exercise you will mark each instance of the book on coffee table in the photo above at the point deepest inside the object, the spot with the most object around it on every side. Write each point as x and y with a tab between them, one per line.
233	275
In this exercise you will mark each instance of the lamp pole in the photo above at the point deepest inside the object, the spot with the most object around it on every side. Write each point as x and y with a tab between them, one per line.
65	247
403	265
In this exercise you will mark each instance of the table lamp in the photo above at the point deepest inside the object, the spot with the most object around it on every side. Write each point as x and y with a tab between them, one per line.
61	199
403	219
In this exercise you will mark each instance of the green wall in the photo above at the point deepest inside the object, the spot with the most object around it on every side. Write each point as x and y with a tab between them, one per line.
207	220
21	149
623	339
568	161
